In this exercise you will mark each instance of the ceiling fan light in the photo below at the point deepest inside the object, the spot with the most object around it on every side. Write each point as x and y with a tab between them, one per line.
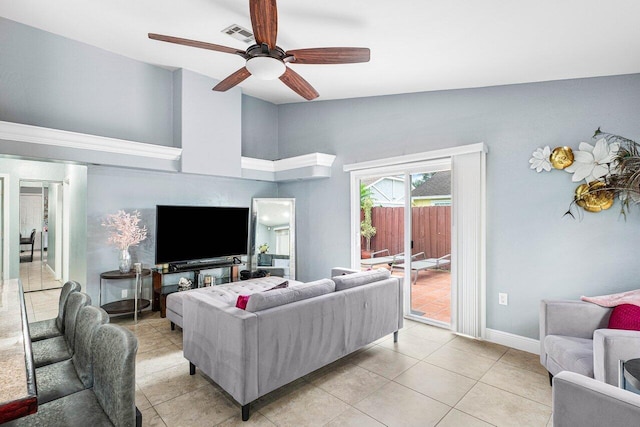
265	67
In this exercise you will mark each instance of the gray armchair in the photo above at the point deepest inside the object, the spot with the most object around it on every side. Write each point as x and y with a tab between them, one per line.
579	401
574	337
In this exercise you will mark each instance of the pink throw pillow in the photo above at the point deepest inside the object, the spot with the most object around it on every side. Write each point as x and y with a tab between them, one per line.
242	300
625	316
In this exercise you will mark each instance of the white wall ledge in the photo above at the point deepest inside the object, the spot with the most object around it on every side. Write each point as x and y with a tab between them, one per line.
82	141
307	166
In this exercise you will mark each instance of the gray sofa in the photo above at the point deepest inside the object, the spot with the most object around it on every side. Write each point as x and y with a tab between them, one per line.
286	333
574	337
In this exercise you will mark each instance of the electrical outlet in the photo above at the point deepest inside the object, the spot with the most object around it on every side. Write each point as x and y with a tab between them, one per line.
503	299
124	293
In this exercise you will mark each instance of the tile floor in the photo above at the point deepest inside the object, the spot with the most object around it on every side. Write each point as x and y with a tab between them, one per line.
36	275
430	377
41	305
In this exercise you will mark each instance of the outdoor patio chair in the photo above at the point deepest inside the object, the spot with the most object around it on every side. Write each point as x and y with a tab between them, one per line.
388	259
420	262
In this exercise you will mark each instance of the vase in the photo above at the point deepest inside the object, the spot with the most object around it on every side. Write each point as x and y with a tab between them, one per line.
124	261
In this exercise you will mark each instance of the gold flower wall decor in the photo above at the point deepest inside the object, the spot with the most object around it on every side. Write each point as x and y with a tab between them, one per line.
593	197
561	157
610	168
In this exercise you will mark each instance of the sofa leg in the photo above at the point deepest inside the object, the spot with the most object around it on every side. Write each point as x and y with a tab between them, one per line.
550	379
245	412
173	326
192	369
395	336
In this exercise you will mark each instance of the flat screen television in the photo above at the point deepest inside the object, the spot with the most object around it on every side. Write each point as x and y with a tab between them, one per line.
187	234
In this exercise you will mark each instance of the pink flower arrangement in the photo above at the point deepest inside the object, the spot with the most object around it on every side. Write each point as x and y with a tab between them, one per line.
125	229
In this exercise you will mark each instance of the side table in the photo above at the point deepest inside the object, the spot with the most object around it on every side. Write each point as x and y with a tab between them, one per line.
124	306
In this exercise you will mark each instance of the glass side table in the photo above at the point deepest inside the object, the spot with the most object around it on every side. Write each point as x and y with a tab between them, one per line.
124	306
629	373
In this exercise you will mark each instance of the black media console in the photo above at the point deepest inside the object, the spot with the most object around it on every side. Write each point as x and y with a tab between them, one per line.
162	287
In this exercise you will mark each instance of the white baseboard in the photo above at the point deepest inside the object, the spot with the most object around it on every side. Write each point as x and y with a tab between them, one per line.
514	341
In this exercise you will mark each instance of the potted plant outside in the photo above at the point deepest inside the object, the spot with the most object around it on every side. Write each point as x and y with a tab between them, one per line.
367	230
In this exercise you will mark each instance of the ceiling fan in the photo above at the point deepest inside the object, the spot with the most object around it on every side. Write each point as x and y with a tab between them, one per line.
266	60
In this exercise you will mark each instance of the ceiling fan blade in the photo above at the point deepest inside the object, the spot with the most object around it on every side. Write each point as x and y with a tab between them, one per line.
299	85
264	20
330	55
234	79
195	43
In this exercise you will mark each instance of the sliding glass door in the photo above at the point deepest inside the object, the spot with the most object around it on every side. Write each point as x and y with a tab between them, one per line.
430	228
439	247
405	227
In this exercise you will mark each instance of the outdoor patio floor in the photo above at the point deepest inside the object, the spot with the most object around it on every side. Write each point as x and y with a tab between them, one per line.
431	294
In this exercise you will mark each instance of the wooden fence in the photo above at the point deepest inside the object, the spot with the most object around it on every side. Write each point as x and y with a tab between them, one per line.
431	232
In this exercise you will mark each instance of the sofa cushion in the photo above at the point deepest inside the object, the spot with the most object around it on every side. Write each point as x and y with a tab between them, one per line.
264	300
340	271
242	300
625	316
361	278
571	353
227	293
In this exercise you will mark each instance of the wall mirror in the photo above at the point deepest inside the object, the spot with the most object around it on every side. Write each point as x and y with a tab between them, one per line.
40	234
273	237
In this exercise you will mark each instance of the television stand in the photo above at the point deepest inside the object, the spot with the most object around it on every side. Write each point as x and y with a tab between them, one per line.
165	282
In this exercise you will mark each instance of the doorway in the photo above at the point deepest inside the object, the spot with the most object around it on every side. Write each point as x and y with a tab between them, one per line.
407	212
40	235
464	260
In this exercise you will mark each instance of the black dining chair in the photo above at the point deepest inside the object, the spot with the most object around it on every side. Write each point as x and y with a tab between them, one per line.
31	240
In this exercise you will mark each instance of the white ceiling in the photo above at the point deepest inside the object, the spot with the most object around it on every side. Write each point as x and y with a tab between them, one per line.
416	45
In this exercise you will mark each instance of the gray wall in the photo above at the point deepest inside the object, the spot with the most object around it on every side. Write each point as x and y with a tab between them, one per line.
78	192
51	81
210	126
259	129
533	251
110	189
